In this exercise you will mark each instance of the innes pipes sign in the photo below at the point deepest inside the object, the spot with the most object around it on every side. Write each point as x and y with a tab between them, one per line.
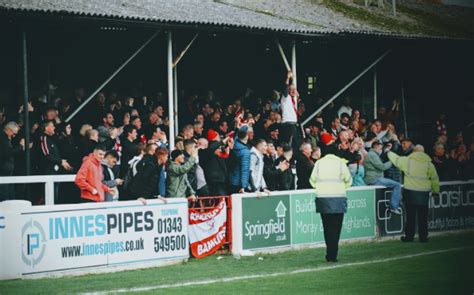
58	239
287	219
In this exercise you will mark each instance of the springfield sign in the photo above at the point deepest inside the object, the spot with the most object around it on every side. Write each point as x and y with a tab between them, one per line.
287	220
44	240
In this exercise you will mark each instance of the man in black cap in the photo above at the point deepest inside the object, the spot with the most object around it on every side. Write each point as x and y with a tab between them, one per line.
177	184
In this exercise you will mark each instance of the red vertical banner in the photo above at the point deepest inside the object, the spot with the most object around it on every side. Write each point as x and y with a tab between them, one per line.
207	230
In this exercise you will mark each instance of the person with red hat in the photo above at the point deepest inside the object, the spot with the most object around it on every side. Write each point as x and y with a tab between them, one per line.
214	162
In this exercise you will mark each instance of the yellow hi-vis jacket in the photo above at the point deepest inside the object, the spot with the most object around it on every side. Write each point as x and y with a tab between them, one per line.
330	177
420	173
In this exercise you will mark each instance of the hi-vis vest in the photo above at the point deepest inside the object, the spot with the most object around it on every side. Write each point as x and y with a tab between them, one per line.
420	173
330	177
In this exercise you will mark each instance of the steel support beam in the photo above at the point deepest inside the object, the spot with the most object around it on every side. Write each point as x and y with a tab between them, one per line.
404	109
111	76
183	52
283	56
293	62
345	88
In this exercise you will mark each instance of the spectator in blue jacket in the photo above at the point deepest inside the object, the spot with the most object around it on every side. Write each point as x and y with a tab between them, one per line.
240	172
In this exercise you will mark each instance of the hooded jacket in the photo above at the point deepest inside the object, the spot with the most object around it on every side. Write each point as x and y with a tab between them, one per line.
89	177
145	183
215	168
420	173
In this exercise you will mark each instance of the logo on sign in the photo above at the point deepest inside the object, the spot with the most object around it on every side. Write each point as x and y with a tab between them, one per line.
281	210
211	223
270	227
384	214
33	243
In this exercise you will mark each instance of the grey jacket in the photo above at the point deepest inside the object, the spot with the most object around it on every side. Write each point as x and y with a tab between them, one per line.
177	184
374	167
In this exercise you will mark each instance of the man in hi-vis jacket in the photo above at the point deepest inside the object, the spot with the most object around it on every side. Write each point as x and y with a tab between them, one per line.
331	178
421	179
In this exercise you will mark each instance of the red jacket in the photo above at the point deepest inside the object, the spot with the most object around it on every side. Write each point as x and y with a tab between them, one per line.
89	177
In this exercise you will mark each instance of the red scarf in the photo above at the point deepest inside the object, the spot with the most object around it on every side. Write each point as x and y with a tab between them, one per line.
293	100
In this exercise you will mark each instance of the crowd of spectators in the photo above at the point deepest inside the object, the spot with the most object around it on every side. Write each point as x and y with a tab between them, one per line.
119	148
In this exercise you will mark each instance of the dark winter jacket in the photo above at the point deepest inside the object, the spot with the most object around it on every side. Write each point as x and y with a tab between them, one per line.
304	167
270	172
284	181
7	155
240	174
49	155
215	168
145	183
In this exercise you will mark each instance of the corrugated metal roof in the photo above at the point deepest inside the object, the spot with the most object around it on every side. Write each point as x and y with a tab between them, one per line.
301	16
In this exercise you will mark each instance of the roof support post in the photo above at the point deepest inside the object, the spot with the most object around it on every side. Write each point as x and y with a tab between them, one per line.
26	113
111	77
293	62
170	90
175	96
283	56
375	93
344	88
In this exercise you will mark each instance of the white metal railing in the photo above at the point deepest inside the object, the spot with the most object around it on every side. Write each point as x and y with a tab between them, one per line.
48	180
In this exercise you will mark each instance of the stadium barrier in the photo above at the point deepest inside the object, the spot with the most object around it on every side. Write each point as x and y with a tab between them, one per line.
101	237
454	209
39	241
48	180
288	220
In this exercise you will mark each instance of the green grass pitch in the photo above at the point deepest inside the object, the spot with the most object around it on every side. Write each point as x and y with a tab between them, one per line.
445	266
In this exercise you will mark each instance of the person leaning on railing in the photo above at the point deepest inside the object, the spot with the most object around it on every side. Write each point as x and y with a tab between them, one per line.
90	176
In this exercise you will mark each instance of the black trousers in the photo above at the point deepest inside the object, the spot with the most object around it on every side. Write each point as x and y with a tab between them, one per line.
288	132
415	212
332	224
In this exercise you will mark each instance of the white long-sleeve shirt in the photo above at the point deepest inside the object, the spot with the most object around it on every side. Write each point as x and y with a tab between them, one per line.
288	113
